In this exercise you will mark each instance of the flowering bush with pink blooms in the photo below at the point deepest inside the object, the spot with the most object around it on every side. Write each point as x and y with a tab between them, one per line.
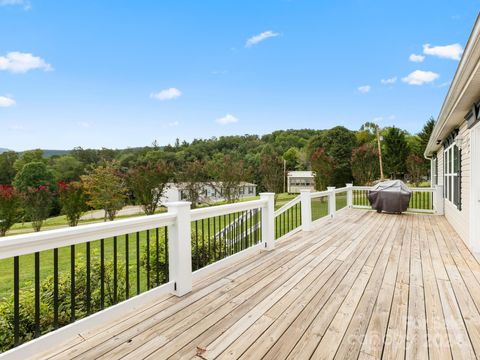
9	208
72	200
37	203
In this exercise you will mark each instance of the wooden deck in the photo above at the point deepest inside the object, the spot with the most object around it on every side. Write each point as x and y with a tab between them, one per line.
363	285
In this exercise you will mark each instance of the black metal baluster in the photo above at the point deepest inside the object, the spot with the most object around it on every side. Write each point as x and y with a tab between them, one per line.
215	238
102	274
115	271
197	259
138	261
55	288
242	233
87	289
166	262
127	270
16	301
157	255
225	234
37	294
72	283
228	244
148	259
203	243
250	229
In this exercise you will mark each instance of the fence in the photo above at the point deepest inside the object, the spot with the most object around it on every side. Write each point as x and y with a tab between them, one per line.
97	272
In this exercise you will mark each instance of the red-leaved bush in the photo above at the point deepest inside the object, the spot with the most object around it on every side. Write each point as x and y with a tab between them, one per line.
37	203
9	208
73	200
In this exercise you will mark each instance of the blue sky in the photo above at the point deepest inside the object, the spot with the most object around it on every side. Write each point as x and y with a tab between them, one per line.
120	74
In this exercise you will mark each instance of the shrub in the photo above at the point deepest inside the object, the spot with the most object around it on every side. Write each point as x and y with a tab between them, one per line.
9	208
72	200
106	190
148	183
37	204
27	301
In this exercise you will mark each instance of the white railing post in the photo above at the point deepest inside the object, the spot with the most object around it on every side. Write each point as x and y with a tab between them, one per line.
332	205
180	248
268	221
438	203
349	196
306	206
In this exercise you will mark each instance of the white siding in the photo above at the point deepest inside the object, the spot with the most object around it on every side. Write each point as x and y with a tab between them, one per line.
459	219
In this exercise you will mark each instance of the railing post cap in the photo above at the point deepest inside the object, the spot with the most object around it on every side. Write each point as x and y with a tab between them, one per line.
267	194
330	188
349	185
178	204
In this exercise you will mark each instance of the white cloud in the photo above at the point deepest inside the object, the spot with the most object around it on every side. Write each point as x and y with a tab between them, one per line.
364	89
16	127
389	81
17	62
453	51
416	58
173	123
84	124
26	4
167	94
6	101
227	119
419	77
260	37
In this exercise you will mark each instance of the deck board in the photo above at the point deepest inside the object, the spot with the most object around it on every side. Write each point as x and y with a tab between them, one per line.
361	285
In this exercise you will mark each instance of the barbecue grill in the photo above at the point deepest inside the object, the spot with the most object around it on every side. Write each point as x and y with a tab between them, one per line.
390	196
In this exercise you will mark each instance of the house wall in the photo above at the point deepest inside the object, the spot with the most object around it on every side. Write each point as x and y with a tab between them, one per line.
293	188
459	219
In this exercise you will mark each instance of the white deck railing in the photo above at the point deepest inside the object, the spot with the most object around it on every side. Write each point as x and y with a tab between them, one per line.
178	220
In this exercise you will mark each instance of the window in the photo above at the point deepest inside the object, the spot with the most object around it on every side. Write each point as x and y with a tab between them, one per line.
452	159
434	171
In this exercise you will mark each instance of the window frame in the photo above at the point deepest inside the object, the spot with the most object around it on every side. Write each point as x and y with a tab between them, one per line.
452	177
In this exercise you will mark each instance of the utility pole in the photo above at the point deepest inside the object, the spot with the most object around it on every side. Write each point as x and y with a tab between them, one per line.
379	152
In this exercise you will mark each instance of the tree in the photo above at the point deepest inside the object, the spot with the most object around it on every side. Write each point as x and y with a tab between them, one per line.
415	168
190	180
365	165
227	174
425	133
106	189
338	144
148	183
67	168
9	208
28	157
33	175
37	203
7	169
292	158
396	151
374	130
324	166
271	170
73	201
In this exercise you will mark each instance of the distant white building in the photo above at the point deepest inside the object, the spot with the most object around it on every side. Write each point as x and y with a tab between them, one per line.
300	180
210	192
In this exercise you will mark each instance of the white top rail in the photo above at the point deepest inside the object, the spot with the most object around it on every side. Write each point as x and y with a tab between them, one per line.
46	240
287	206
340	190
318	194
208	212
361	187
